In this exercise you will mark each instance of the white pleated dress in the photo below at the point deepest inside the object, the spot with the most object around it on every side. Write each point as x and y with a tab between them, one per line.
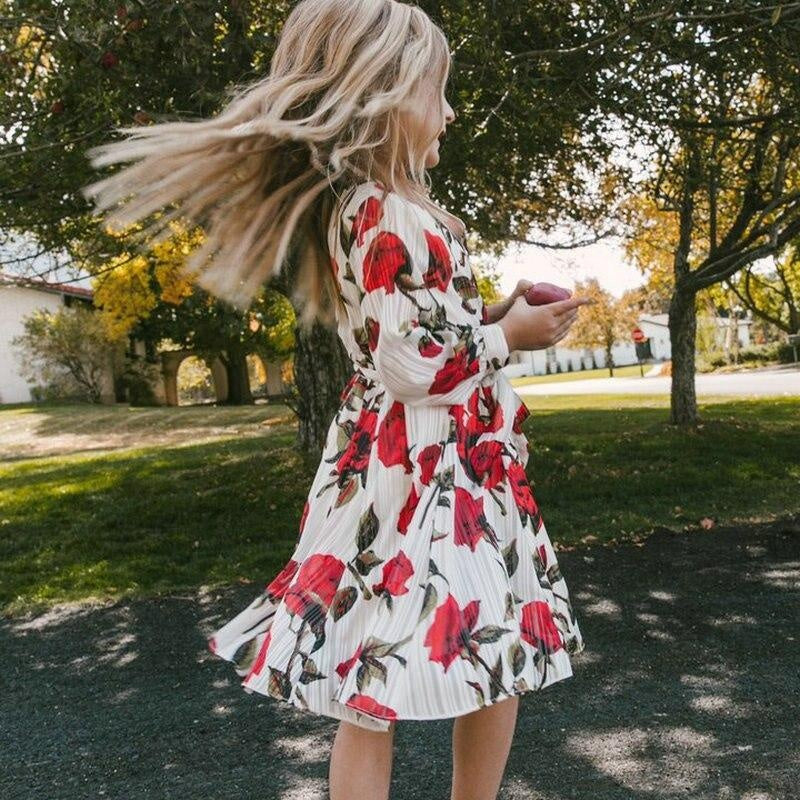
423	583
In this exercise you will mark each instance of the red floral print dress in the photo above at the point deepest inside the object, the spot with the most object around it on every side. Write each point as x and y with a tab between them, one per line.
423	583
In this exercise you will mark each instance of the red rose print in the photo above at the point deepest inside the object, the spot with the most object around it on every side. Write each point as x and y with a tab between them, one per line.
422	421
277	587
455	369
396	571
355	457
543	554
458	414
521	489
470	522
392	443
539	628
440	268
373	332
368	215
523	412
407	511
486	414
352	380
315	585
261	658
347	665
428	459
369	705
486	463
449	633
429	347
385	259
303	518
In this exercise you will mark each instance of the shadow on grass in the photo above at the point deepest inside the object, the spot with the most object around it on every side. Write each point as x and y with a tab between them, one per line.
34	430
160	519
149	521
682	692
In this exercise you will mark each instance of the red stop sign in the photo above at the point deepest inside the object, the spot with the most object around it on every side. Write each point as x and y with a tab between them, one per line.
638	335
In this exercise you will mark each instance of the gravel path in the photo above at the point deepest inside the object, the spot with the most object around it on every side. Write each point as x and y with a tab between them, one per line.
685	691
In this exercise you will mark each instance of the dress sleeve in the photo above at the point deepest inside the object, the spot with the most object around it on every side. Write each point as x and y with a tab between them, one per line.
403	271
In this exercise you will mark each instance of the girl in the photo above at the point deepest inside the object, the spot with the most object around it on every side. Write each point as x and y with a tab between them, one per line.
423	583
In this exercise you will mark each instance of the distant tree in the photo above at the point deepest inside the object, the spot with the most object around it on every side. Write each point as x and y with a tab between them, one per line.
151	298
773	295
65	353
604	323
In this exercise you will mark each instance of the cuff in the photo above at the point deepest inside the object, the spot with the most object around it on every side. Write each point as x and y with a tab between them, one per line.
496	344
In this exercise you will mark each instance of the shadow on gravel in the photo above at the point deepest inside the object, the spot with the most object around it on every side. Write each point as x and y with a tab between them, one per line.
685	690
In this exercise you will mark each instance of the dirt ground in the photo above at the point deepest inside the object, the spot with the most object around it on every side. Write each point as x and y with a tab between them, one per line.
687	689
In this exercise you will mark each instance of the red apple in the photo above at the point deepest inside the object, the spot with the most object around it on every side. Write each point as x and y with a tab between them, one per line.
541	293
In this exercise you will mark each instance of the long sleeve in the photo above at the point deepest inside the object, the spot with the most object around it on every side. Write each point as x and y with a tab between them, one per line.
404	273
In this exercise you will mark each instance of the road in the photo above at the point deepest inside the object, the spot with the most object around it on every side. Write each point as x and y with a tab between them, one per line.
759	383
686	689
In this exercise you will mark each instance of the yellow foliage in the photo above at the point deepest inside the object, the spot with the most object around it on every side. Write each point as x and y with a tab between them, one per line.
652	243
123	289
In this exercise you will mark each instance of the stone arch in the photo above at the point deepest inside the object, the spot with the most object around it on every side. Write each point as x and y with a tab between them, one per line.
171	361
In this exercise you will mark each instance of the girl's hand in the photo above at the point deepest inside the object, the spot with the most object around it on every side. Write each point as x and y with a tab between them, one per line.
529	327
522	286
496	311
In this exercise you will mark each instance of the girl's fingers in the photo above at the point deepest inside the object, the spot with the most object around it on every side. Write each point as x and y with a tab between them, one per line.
562	306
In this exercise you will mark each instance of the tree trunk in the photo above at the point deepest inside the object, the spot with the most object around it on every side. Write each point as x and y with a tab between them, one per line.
610	362
682	336
321	371
235	362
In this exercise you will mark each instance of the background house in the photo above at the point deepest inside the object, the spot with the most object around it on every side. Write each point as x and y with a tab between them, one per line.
18	298
654	326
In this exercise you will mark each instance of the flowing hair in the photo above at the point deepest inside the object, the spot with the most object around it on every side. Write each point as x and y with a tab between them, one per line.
263	177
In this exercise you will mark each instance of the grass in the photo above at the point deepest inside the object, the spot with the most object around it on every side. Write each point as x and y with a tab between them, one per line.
212	496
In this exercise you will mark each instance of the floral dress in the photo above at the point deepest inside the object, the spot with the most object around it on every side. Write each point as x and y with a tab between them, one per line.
423	583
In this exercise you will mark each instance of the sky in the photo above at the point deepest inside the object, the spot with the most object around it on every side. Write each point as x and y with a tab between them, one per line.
603	260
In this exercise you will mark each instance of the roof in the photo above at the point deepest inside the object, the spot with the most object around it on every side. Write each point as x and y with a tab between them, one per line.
40	285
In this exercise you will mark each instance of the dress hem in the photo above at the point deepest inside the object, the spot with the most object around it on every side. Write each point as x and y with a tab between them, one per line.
553	676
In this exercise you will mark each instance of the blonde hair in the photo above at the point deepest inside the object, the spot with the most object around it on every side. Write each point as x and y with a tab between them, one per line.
264	176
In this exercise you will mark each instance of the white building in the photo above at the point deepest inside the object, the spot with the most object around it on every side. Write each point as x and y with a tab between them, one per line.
18	299
564	359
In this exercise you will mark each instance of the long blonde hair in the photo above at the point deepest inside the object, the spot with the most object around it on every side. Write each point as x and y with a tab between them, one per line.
262	178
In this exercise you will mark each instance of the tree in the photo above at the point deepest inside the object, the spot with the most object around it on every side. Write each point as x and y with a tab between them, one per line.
67	350
716	100
545	94
151	297
73	74
603	323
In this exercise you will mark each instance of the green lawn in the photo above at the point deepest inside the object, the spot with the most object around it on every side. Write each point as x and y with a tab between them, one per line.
210	496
